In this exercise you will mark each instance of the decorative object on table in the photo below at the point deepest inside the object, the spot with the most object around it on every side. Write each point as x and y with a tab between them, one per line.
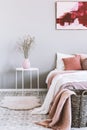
25	47
26	64
71	15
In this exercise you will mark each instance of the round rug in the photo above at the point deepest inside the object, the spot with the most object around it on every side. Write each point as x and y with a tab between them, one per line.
20	102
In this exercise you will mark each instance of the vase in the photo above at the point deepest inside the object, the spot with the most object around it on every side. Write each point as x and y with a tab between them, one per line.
26	64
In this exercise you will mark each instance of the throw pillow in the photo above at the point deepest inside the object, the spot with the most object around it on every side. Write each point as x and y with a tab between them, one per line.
84	64
83	56
72	63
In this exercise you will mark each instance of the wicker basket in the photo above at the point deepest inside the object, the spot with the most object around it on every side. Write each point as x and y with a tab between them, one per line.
79	108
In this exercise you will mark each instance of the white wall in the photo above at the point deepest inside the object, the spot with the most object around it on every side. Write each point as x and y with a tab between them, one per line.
37	18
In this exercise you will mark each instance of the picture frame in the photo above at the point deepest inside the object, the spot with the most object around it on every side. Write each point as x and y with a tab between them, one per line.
71	15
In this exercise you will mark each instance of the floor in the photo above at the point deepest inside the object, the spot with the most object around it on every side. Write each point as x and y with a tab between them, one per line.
22	120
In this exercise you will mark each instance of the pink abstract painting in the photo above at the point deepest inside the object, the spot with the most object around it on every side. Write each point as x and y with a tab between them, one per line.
71	15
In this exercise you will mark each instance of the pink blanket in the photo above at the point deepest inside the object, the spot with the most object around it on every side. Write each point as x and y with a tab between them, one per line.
60	107
60	112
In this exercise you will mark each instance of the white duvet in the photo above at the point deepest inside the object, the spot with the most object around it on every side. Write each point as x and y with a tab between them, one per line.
57	82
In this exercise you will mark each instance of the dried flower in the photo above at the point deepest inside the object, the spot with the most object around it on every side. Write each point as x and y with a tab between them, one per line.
25	45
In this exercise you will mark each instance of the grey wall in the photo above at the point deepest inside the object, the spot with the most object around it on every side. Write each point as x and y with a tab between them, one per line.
37	18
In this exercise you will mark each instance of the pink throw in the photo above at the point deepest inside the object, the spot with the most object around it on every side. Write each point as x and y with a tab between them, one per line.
60	112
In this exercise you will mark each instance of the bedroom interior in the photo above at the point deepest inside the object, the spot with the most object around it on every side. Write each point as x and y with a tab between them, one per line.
58	61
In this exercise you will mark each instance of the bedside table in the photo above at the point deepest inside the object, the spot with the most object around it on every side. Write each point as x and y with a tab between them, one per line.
30	70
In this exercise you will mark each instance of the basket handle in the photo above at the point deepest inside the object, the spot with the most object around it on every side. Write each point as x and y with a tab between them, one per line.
84	92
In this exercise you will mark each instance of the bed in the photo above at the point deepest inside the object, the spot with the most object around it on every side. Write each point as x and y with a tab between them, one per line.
70	73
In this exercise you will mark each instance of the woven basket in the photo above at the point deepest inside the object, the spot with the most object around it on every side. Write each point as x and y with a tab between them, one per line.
79	108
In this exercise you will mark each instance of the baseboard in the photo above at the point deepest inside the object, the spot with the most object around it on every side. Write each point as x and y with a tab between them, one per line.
23	90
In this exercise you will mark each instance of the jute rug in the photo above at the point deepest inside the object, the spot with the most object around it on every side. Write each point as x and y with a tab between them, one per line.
20	102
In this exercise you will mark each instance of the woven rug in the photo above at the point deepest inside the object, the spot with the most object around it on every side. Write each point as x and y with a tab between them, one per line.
20	102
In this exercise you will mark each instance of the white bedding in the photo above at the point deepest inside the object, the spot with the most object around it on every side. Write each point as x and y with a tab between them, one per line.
57	82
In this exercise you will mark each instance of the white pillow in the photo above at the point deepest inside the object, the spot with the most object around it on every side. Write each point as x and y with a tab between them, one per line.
59	61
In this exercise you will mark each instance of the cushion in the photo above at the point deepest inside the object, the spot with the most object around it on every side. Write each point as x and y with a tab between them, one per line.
59	62
72	63
83	56
84	64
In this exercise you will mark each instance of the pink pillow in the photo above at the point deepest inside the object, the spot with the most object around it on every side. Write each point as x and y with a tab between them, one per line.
84	64
83	56
72	63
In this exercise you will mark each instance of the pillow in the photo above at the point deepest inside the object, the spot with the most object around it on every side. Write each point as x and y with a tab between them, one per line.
84	64
59	61
83	56
72	63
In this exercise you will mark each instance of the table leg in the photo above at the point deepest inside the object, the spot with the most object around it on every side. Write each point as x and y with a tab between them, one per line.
38	81
30	79
16	82
22	82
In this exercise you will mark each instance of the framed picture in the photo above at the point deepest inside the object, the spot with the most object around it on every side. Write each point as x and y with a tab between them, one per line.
71	15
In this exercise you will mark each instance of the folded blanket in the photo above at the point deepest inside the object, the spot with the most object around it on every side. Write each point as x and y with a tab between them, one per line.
60	112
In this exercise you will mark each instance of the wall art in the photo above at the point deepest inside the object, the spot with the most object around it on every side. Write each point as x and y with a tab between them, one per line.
71	15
